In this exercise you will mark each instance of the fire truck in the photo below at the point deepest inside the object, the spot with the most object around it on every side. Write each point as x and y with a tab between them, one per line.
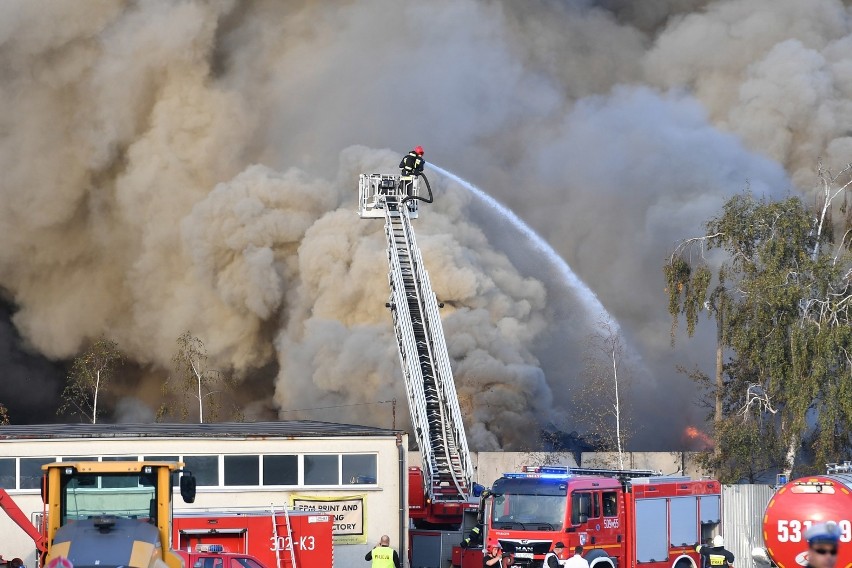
801	503
295	539
214	556
622	518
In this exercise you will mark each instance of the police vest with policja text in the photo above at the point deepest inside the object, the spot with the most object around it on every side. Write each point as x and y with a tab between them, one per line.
383	557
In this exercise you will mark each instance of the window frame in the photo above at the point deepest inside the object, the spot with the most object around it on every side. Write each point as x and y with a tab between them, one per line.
261	484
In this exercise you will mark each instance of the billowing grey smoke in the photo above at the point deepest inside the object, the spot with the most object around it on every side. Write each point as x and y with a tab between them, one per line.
192	165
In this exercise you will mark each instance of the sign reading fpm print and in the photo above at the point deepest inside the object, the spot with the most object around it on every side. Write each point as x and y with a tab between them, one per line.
350	515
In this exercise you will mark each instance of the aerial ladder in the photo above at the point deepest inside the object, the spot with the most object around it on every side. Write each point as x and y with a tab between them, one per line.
447	472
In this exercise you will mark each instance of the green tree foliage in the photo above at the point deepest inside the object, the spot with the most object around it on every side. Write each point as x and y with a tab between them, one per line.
779	289
89	379
4	415
195	384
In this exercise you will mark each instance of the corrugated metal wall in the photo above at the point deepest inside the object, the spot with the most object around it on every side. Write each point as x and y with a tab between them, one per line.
742	518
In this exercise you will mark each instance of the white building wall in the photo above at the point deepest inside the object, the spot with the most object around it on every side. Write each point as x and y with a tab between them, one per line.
382	508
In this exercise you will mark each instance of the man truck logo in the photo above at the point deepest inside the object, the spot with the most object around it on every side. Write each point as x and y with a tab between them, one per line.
524	541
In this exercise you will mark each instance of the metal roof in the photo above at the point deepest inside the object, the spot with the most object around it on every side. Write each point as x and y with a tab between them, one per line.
288	429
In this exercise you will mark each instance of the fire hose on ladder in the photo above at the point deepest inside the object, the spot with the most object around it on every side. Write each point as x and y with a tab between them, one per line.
417	197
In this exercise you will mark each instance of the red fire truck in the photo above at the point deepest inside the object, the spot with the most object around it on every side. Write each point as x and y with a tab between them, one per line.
803	502
622	518
214	556
253	533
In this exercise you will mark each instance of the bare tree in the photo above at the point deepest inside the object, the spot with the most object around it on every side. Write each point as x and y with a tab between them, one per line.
600	407
194	380
4	415
89	378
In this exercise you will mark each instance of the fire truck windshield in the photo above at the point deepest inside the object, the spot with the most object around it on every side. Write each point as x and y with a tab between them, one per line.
532	504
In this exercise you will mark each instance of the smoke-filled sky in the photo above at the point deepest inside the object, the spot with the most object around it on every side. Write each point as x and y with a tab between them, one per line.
188	165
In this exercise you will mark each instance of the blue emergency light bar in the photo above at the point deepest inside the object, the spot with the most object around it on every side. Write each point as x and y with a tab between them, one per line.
209	548
542	472
562	472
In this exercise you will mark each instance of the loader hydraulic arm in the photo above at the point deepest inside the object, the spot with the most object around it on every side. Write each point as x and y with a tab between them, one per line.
17	515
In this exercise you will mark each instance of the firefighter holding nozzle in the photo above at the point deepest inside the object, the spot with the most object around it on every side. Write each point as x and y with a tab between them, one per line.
411	166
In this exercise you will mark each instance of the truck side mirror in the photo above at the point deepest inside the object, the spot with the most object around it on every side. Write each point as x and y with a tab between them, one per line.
187	487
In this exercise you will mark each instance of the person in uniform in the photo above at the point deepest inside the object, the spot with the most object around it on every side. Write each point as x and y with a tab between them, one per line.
383	556
716	556
823	540
492	557
410	167
553	559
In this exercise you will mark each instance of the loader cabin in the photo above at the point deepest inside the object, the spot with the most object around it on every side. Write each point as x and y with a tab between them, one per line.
110	494
622	518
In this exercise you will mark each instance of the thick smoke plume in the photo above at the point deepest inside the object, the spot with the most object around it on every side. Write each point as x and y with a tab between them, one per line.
193	165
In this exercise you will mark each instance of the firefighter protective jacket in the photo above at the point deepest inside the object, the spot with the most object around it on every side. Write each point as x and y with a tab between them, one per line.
714	556
411	164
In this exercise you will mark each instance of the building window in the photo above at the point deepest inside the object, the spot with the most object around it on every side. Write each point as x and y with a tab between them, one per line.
161	458
322	470
359	469
119	482
175	475
242	470
281	470
204	468
79	459
7	473
31	472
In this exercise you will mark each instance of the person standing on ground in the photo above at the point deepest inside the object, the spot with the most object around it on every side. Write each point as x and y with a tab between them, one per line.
491	559
383	556
553	559
716	556
823	540
577	561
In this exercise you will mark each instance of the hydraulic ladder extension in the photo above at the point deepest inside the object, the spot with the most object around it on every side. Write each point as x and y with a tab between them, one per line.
431	391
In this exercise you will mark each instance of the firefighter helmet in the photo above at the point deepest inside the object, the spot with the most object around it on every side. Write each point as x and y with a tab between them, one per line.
418	150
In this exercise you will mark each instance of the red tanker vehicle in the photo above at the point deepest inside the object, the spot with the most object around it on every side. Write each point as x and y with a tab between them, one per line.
803	502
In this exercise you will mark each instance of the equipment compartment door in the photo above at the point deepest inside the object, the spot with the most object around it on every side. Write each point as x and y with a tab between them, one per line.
651	531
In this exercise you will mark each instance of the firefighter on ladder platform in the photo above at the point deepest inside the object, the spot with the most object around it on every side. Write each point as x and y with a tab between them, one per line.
411	166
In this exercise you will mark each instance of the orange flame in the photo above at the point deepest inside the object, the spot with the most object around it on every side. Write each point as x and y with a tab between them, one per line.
697	439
